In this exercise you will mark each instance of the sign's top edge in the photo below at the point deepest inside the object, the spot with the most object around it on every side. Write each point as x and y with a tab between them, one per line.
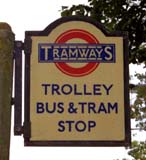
62	20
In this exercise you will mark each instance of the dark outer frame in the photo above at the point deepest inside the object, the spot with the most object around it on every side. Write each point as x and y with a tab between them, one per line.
27	124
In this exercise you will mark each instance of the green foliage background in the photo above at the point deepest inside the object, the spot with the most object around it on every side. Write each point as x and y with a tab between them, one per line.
123	15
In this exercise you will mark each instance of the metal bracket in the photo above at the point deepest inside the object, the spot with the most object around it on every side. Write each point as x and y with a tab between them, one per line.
17	100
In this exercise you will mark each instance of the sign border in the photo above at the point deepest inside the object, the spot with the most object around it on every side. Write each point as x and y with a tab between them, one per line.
27	124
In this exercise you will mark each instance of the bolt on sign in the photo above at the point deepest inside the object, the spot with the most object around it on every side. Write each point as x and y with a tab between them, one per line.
76	85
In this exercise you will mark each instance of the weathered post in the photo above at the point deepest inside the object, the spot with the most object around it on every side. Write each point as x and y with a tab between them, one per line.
6	75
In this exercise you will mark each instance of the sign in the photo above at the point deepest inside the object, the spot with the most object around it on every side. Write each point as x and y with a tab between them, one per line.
76	85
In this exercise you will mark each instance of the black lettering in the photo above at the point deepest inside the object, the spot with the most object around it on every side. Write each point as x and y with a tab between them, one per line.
91	107
82	105
66	89
55	89
91	124
60	107
80	126
40	107
107	88
69	125
48	108
45	87
113	107
61	126
102	108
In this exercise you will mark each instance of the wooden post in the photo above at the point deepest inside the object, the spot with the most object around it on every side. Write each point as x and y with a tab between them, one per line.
6	76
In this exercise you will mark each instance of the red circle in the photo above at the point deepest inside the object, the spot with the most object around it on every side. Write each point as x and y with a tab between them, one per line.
81	71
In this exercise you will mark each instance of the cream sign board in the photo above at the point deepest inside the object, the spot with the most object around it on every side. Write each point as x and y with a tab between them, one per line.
76	85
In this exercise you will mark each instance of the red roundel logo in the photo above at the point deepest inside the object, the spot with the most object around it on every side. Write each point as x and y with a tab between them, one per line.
77	71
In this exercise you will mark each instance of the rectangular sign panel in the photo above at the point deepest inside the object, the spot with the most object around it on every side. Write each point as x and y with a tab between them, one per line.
77	53
76	86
